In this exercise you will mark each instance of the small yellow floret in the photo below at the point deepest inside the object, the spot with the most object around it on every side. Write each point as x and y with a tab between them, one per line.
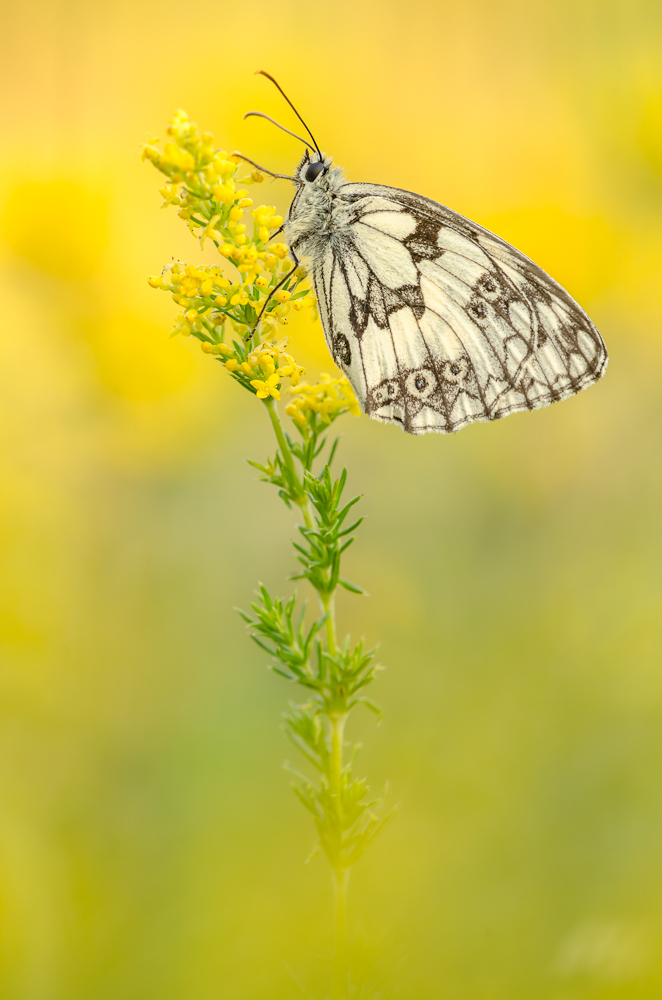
224	193
173	156
263	214
266	387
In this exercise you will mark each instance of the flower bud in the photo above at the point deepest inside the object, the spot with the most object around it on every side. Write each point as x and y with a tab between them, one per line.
224	193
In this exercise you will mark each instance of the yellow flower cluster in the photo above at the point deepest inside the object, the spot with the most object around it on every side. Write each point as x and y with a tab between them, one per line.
263	369
327	400
203	184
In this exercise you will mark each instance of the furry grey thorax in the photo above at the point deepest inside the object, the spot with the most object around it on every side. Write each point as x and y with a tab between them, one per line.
318	212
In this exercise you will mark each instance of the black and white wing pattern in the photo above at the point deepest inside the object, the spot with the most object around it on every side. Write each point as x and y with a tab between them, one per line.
437	322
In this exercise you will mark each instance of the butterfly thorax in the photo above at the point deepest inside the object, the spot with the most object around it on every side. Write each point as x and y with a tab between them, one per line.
317	212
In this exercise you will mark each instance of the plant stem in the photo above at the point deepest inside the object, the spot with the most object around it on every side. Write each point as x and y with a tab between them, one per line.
337	723
329	605
288	458
336	762
341	875
341	878
282	440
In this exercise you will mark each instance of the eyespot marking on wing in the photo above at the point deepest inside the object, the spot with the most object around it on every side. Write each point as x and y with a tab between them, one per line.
341	350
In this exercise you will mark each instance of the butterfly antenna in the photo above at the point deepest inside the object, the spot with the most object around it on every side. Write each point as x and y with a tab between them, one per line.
260	114
261	72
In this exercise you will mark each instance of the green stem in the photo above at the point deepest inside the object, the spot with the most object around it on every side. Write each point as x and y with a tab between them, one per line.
288	458
329	605
336	761
341	875
341	878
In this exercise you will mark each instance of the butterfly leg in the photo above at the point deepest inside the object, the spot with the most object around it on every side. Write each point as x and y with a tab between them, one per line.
280	177
272	293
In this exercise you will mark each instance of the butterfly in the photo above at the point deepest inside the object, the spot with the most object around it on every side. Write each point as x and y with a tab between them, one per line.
435	321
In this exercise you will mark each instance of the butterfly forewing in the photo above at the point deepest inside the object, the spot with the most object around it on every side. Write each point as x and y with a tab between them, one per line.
438	322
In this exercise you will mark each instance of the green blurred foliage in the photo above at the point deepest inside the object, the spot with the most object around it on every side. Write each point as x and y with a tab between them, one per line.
149	846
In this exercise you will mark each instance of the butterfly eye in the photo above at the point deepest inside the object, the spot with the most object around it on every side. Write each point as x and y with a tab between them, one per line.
314	170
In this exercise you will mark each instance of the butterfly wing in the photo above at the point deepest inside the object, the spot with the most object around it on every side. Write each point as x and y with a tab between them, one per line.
437	322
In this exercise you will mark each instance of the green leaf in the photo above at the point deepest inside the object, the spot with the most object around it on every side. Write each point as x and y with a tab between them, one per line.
372	705
353	587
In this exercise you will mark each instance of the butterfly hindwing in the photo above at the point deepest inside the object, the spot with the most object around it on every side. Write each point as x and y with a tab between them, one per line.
438	322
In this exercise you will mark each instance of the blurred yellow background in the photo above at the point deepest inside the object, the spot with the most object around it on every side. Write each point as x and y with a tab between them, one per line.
149	845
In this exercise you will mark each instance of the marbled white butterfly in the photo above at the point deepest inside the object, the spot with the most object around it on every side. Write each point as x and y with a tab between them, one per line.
435	321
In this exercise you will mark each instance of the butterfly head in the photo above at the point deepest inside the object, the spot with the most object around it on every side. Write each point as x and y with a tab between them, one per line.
314	170
317	172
